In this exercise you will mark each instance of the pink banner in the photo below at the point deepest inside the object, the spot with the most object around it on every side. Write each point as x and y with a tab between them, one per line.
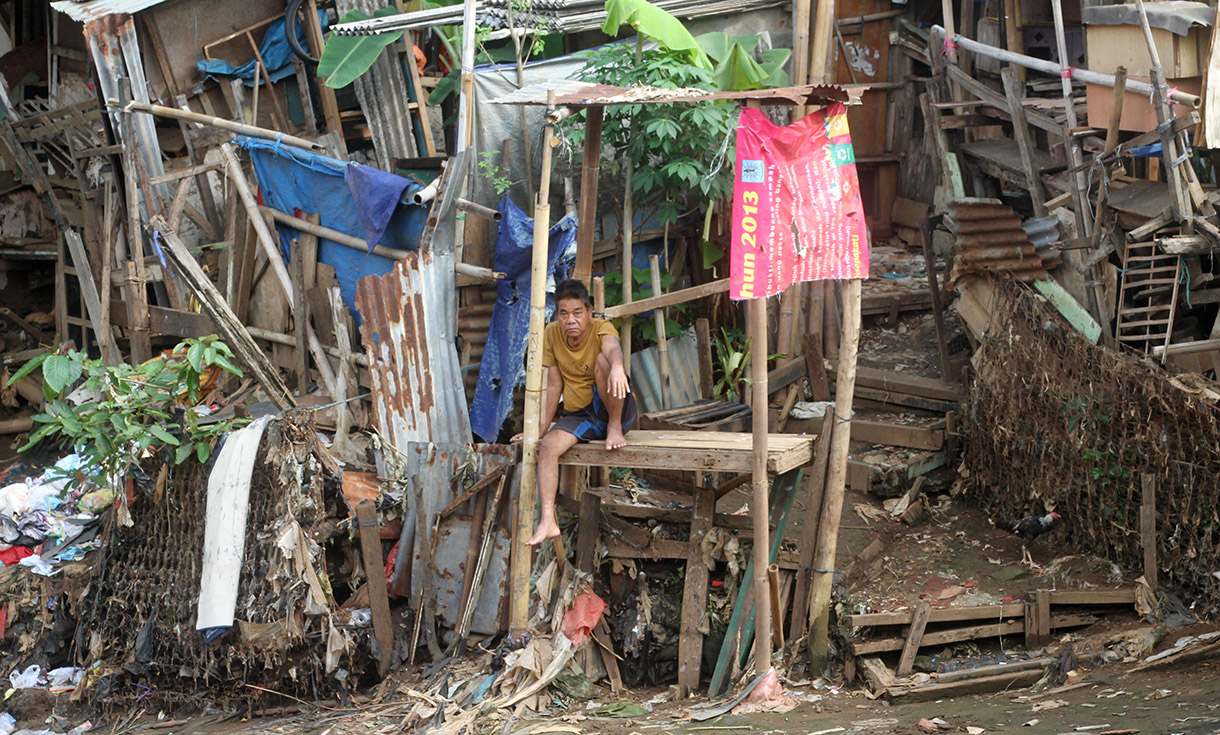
797	214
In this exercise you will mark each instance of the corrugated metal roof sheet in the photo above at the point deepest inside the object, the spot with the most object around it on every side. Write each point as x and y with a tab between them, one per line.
571	93
94	9
989	238
413	363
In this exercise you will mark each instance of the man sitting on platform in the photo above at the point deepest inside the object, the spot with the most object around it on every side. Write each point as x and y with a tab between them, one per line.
584	363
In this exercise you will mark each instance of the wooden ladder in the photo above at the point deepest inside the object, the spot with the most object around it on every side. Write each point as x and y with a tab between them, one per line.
1148	297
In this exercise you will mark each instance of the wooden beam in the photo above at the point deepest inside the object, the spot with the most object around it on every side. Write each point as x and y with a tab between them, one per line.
949	614
669	299
919	621
999	682
1148	527
379	600
956	635
589	173
694	450
694	593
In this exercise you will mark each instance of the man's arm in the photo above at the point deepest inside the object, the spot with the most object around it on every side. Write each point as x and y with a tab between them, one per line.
613	352
554	389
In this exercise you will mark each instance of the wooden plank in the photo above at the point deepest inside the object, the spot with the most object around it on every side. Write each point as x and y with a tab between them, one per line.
1025	143
93	304
897	382
949	614
658	548
897	435
1093	597
673	297
993	670
185	173
690	450
1042	601
379	600
586	537
300	320
1148	527
877	674
932	692
230	328
919	621
703	346
601	634
694	593
893	398
786	374
956	635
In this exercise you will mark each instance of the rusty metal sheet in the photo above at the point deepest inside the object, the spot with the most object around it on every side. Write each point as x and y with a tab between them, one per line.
408	334
988	238
432	468
453	540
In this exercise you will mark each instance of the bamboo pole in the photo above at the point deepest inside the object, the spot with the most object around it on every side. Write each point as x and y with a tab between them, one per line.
756	315
1080	75
276	260
658	316
777	610
465	129
520	571
217	122
355	243
832	502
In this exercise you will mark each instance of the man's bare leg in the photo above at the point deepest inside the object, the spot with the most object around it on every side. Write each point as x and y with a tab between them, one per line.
614	406
550	449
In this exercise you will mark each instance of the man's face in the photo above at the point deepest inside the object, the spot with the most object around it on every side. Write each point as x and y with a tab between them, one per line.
574	318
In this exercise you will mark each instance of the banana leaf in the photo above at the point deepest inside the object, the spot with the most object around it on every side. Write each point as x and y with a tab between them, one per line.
345	58
653	22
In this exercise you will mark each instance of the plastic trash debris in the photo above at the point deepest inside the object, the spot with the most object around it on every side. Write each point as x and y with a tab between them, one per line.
362	617
971	730
768	696
579	622
927	725
27	679
619	709
38	565
7	723
64	678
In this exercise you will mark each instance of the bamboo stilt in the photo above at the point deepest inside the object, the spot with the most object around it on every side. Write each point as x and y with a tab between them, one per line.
832	502
520	570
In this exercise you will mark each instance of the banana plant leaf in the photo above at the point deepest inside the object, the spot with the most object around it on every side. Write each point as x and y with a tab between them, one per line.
653	22
345	58
739	71
718	44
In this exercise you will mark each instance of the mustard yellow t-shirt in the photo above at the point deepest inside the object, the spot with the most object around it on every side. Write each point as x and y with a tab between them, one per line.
575	365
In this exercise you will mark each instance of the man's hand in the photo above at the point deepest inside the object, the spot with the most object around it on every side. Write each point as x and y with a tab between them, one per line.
618	388
517	438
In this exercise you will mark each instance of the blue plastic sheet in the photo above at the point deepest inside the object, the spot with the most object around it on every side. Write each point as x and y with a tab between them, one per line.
503	364
296	181
276	53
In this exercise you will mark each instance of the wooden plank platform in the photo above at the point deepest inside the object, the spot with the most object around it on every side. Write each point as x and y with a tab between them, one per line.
694	450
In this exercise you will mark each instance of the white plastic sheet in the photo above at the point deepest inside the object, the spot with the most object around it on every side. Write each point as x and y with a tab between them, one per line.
224	536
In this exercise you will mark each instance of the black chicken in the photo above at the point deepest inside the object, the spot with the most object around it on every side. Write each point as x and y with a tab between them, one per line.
1029	529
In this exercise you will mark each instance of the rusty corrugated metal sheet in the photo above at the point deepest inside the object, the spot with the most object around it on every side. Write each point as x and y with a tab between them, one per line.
408	335
989	239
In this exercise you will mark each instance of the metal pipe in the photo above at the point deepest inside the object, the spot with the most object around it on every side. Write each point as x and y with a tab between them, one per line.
475	208
1081	75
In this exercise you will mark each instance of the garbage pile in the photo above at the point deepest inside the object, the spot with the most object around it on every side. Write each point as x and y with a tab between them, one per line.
51	517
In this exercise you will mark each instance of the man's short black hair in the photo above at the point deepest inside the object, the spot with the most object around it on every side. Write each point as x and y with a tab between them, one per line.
573	289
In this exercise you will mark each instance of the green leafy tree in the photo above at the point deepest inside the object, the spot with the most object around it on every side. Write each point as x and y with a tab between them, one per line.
113	414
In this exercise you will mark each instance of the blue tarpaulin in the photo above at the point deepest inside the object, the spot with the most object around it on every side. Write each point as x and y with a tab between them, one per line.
503	364
276	53
296	181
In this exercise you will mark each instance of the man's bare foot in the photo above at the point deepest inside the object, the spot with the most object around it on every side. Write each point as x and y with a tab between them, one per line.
546	529
615	439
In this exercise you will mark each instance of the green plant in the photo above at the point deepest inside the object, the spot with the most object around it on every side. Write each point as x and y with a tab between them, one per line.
112	414
732	359
490	170
645	328
344	58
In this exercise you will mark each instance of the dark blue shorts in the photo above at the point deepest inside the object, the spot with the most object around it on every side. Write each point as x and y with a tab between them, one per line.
589	423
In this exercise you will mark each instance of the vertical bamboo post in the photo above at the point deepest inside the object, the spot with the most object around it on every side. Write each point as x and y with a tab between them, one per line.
777	608
832	502
520	571
658	316
756	316
823	31
756	329
1148	528
465	128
